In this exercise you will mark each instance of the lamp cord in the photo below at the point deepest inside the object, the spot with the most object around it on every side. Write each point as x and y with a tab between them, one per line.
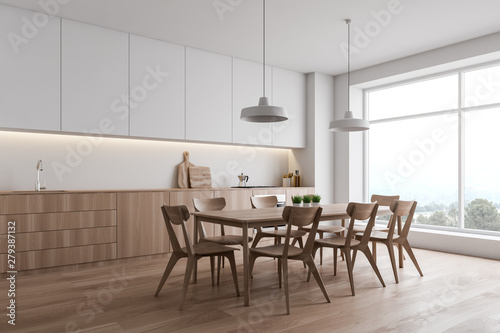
264	47
348	63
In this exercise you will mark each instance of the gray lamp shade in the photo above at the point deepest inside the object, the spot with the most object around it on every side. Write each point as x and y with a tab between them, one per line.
349	124
264	113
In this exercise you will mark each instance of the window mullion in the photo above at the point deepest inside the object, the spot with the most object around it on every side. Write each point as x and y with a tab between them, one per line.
461	153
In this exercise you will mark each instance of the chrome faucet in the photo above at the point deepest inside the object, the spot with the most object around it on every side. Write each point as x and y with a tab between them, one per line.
39	167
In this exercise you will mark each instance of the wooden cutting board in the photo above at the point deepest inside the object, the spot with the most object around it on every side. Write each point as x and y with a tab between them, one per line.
183	171
200	177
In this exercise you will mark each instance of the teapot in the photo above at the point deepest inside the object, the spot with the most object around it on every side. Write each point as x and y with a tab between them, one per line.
243	180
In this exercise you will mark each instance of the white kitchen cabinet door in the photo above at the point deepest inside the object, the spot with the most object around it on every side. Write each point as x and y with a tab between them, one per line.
94	79
29	70
157	89
247	89
289	90
208	96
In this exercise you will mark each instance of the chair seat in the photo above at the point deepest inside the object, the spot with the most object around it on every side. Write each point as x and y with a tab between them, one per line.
331	229
336	242
226	239
360	228
381	235
282	233
276	251
209	248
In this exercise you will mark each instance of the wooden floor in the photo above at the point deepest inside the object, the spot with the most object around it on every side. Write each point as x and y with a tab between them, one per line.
456	294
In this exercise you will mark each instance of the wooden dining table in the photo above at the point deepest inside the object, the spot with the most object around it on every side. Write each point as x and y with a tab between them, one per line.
265	217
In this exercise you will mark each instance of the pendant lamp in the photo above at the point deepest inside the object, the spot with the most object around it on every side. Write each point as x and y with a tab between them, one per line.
264	113
349	123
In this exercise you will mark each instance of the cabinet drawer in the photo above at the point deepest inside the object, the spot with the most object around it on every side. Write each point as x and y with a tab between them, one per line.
49	203
60	238
59	221
59	257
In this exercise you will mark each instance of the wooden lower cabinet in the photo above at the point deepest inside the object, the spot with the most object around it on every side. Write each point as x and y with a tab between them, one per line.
140	225
61	256
53	230
73	228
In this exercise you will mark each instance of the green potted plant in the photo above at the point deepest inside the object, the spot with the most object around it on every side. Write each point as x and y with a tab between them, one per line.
316	198
296	200
307	200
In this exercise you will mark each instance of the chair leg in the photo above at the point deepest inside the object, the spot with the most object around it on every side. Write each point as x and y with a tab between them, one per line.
335	261
313	255
251	262
341	253
390	249
284	263
347	253
368	255
258	237
219	259
212	270
301	245
374	251
319	281
408	249
171	264
232	263
320	233
187	277
280	267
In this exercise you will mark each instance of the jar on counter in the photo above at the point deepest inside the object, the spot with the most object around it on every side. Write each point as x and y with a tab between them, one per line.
296	179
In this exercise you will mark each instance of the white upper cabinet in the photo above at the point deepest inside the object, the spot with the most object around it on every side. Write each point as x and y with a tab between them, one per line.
208	96
157	89
94	79
289	90
29	70
247	89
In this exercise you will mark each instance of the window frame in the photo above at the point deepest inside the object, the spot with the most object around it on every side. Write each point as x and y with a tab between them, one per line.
460	111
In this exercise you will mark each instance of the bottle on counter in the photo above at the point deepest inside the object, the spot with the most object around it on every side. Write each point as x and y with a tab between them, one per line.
296	179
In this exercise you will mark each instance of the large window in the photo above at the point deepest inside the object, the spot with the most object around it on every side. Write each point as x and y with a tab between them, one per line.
436	141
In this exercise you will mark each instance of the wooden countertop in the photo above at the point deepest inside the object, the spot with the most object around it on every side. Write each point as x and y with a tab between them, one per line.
142	190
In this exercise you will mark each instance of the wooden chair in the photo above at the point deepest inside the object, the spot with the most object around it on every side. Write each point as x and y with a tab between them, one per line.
326	229
178	215
381	200
399	209
203	205
357	211
277	234
299	217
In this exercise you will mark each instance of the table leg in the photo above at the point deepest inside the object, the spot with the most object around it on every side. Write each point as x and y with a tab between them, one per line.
195	241
246	271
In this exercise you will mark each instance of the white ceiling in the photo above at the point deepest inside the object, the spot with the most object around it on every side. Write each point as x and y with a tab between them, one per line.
302	35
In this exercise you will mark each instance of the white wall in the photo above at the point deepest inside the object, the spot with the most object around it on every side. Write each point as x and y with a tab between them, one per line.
79	163
315	162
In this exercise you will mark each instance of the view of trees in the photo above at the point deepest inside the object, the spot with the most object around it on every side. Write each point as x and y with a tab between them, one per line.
480	214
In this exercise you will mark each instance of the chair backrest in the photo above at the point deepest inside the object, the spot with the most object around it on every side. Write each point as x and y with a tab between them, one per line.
264	202
361	211
384	200
402	208
301	217
203	205
177	215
